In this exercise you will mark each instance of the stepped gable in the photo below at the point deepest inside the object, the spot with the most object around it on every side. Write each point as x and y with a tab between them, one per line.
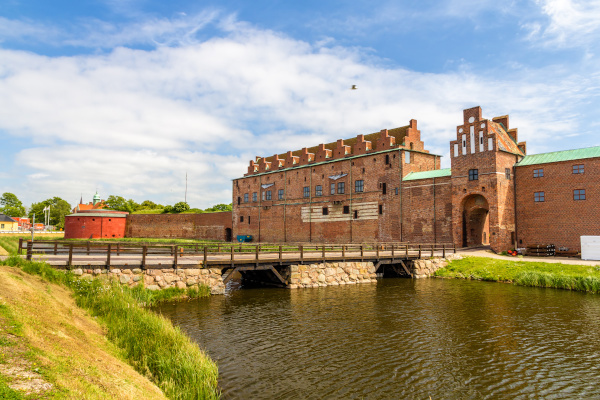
507	138
379	141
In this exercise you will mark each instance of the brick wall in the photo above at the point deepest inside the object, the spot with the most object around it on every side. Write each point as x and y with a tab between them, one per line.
373	214
559	219
208	226
94	227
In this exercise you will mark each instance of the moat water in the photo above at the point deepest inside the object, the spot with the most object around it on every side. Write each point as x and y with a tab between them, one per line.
400	339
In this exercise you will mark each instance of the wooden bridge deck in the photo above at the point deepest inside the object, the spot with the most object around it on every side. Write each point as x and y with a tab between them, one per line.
70	254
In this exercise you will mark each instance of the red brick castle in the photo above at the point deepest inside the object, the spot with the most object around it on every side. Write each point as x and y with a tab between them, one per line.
386	187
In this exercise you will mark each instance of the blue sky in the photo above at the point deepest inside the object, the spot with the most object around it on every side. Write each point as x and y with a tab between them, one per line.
126	96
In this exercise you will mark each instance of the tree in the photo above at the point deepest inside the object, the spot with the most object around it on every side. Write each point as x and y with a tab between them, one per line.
181	207
59	208
167	209
149	205
220	207
11	205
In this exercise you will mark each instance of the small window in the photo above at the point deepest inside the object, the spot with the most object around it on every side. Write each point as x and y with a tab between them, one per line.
407	156
507	172
380	209
355	214
539	197
319	190
248	220
325	211
245	197
359	186
239	201
280	194
346	209
93	219
109	220
387	158
341	187
579	194
578	169
384	188
1	226
473	174
306	192
264	194
268	195
538	173
254	196
241	218
332	188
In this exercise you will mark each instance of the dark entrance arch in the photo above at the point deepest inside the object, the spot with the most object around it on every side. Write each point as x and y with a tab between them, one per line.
475	221
228	234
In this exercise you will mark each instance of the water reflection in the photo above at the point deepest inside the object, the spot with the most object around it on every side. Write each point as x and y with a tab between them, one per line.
400	339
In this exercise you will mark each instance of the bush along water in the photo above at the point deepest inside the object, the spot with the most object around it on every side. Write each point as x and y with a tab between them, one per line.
150	343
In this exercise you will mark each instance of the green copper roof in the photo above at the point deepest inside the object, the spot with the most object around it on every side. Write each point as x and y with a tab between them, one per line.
556	156
437	173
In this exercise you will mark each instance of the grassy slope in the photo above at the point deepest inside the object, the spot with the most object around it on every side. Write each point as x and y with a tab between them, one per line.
9	242
63	343
540	274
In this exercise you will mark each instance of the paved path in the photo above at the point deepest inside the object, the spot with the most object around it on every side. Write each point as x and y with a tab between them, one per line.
486	252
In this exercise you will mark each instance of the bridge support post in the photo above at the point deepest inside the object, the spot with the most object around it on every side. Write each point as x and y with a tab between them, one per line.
108	257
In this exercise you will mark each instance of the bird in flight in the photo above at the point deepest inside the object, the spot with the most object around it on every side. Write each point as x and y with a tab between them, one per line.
353	87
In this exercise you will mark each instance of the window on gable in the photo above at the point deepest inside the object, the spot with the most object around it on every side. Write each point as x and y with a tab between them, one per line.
359	186
332	188
341	187
579	194
268	195
539	197
473	174
578	169
507	173
538	173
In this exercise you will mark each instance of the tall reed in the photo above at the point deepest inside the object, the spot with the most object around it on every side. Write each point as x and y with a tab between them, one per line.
150	343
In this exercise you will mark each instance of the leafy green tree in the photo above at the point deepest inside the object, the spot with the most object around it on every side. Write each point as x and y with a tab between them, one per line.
181	207
220	207
59	208
149	205
116	203
167	209
11	205
132	206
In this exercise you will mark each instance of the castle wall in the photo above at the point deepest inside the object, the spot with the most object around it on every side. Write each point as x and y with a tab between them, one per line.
559	219
207	226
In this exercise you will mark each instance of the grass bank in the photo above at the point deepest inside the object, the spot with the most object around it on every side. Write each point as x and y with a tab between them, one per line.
9	242
539	274
148	342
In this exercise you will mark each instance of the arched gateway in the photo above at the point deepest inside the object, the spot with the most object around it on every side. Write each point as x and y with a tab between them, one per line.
475	221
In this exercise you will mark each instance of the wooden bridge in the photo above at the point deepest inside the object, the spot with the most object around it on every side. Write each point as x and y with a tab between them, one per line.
228	257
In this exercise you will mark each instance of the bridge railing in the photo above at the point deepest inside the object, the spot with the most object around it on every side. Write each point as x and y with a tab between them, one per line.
230	253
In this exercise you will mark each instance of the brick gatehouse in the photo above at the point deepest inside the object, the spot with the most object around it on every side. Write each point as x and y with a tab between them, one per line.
386	187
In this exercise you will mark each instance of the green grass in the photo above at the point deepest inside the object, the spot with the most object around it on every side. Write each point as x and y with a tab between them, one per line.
539	274
150	343
10	242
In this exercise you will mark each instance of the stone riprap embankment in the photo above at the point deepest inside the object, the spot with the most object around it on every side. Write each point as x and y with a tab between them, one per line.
331	274
156	279
426	267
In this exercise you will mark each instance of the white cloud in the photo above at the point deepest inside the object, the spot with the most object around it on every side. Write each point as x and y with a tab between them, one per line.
569	23
132	122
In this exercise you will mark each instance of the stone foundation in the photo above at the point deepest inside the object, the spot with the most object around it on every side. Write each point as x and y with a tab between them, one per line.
331	274
156	279
426	268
